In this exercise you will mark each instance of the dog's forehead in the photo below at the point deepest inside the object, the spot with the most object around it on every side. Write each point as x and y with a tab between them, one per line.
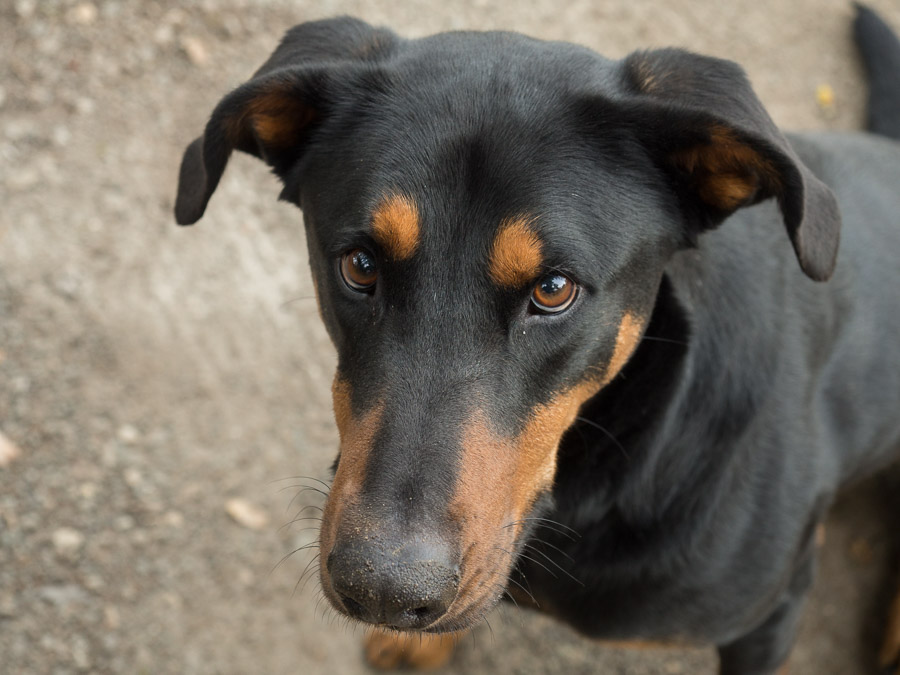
473	145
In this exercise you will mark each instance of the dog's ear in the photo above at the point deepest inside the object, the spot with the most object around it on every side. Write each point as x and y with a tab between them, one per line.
700	119
273	115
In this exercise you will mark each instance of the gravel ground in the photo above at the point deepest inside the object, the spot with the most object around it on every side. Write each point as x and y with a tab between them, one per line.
159	387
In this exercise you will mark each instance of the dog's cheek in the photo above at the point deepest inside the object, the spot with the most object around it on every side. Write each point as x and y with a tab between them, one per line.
500	477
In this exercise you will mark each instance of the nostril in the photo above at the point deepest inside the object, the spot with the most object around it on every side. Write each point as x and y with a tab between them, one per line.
409	589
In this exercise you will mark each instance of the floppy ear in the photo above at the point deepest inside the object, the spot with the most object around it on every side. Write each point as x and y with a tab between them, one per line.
700	119
272	116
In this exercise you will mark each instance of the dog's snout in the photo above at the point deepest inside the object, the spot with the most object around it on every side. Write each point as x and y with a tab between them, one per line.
404	586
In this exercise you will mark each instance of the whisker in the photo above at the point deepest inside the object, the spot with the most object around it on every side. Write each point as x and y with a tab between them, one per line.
540	564
293	592
303	488
558	566
668	340
490	628
308	570
293	499
293	300
524	590
607	433
318	480
297	520
296	550
547	523
556	548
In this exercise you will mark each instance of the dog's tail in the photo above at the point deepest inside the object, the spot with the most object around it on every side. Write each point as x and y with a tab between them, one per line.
880	50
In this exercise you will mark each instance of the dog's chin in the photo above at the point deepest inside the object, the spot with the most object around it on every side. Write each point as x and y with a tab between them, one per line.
468	618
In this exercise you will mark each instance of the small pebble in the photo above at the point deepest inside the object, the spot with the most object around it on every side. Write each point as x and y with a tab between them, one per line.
8	607
128	434
67	540
246	514
164	34
9	452
88	490
123	523
85	105
84	13
25	8
133	477
195	50
81	652
825	96
173	519
63	595
61	136
111	617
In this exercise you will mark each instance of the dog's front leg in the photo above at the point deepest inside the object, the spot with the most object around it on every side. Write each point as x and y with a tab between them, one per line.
889	658
765	649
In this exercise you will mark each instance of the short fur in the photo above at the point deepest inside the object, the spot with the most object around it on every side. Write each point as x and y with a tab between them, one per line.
682	426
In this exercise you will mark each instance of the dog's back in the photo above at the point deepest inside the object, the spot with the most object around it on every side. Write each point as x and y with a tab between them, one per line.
860	320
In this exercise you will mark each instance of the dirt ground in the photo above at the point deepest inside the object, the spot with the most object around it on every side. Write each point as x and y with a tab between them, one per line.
161	386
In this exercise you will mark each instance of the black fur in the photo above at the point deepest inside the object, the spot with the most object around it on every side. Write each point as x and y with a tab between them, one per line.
696	478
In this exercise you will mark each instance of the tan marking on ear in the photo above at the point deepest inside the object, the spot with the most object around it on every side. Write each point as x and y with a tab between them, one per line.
727	172
278	118
356	436
395	226
391	650
516	256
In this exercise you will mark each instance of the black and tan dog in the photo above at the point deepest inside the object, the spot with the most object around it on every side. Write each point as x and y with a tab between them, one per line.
567	317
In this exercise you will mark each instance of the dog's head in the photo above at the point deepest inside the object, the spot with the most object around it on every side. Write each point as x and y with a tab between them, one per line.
488	220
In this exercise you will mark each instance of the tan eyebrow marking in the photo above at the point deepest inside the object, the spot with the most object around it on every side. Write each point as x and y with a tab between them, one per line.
395	225
516	256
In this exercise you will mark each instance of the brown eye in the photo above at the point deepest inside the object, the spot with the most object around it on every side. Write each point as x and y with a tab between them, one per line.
553	293
359	270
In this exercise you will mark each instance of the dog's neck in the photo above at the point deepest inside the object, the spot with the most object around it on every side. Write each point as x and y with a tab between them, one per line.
643	443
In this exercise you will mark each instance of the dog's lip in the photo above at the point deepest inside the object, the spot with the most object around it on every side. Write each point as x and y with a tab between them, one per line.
461	616
468	617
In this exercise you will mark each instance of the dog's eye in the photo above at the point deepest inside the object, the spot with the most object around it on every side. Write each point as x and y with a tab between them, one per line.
553	293
359	270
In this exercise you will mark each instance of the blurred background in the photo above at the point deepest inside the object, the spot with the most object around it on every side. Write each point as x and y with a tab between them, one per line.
162	387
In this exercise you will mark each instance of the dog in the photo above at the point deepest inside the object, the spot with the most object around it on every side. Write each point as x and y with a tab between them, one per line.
579	362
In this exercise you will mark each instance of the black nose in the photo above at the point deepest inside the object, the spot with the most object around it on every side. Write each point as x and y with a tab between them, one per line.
406	585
